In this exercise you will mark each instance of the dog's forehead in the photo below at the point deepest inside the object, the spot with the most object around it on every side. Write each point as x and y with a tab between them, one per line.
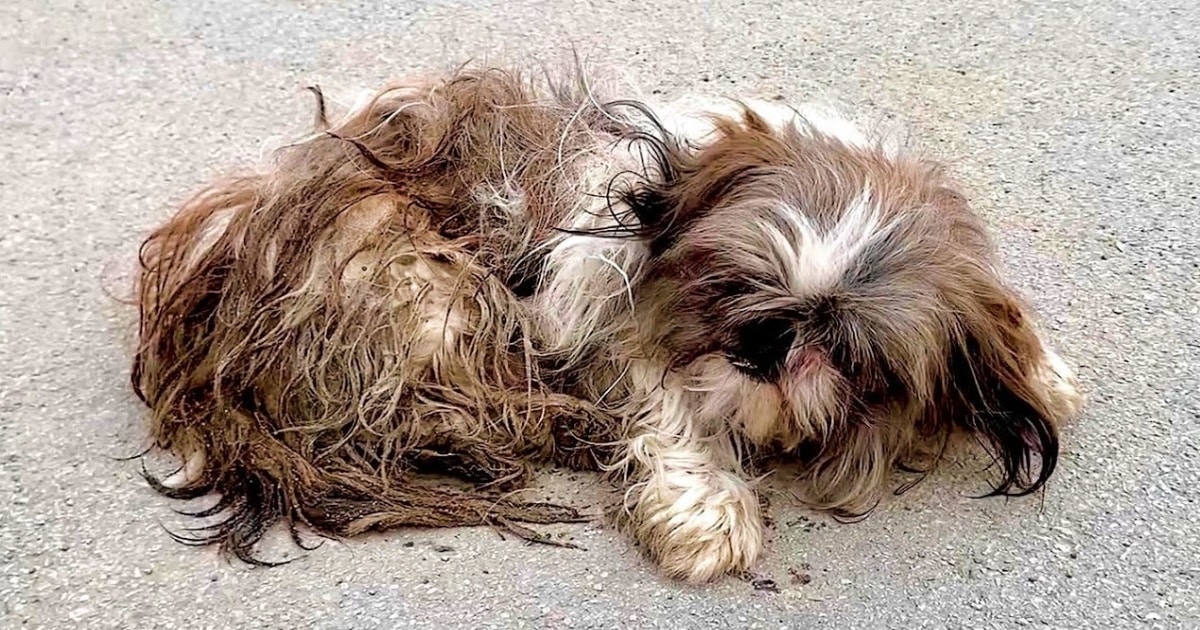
784	247
817	259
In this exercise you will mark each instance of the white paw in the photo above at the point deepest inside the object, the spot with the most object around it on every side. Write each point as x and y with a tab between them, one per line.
192	470
1063	386
699	526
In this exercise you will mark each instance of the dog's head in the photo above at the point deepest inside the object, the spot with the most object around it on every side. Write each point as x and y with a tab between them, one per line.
842	302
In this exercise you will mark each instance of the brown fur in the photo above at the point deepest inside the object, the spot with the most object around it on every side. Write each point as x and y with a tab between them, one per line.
369	310
926	339
285	345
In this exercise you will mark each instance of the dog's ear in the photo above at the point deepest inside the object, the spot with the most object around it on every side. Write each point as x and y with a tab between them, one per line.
683	182
654	197
997	390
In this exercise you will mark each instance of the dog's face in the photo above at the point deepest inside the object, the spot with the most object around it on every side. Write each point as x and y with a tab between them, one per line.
846	302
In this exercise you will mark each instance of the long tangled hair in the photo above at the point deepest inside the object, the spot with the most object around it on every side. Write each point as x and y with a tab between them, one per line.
315	335
471	274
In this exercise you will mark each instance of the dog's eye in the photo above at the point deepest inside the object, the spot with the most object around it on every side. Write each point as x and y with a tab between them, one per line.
759	348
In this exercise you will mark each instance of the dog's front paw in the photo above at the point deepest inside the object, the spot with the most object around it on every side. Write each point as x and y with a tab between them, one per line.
1062	386
699	526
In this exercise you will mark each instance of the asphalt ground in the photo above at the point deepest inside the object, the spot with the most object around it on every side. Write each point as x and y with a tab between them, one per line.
1073	125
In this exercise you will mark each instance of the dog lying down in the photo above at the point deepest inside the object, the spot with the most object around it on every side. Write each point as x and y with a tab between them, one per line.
475	273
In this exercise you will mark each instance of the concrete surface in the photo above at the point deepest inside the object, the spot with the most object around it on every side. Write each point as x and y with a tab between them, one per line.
1074	124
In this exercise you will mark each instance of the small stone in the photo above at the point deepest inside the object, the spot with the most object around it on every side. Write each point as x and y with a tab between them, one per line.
598	586
799	577
765	584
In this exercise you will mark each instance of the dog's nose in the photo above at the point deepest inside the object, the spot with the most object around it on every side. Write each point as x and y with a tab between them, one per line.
762	346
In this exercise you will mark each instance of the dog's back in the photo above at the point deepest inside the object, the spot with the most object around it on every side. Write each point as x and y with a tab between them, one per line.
314	333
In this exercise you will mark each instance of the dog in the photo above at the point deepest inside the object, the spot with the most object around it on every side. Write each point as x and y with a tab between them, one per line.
468	274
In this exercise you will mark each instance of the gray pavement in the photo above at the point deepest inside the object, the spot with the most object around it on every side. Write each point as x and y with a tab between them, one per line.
1074	124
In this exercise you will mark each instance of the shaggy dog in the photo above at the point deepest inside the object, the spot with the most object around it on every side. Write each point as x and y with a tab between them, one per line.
468	274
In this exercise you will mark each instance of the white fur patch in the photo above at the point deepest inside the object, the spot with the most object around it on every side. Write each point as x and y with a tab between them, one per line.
692	118
828	120
812	261
1060	381
192	469
588	279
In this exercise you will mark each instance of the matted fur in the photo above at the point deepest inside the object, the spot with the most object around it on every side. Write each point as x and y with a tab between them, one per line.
321	330
474	273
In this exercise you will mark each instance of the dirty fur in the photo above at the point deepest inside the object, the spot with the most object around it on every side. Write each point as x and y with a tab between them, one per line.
472	274
322	330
